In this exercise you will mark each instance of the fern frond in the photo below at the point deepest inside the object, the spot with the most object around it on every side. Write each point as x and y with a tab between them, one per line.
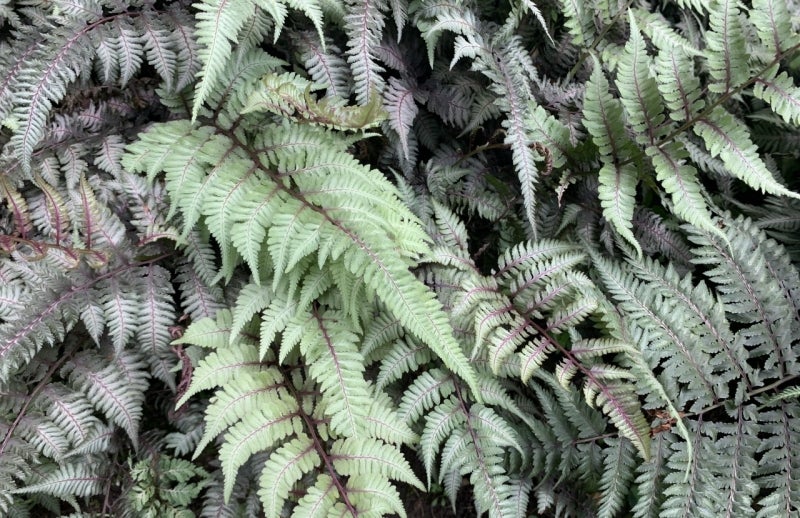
514	103
157	315
617	476
696	363
256	432
661	32
285	467
726	52
726	138
374	495
772	21
128	50
579	22
219	367
650	482
319	499
679	179
218	22
402	108
619	402
338	368
759	297
678	84
639	90
116	387
68	480
160	50
43	81
325	64
364	25
617	183
781	427
545	128
781	94
244	395
371	457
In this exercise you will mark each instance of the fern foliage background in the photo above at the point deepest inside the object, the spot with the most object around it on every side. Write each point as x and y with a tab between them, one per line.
312	258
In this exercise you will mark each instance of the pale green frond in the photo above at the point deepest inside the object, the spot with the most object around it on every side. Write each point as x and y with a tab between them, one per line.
397	287
257	431
285	467
488	422
551	132
617	183
439	425
376	496
679	179
384	422
209	332
221	366
725	137
773	22
781	94
662	33
619	402
579	22
218	22
249	223
252	299
726	51
243	395
319	499
425	392
617	193
639	91
678	84
291	322
290	96
338	368
294	233
156	146
371	457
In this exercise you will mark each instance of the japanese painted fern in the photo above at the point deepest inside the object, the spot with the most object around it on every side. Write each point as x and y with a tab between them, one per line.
310	258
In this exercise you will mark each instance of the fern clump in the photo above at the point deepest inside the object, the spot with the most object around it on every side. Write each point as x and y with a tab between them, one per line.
317	258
